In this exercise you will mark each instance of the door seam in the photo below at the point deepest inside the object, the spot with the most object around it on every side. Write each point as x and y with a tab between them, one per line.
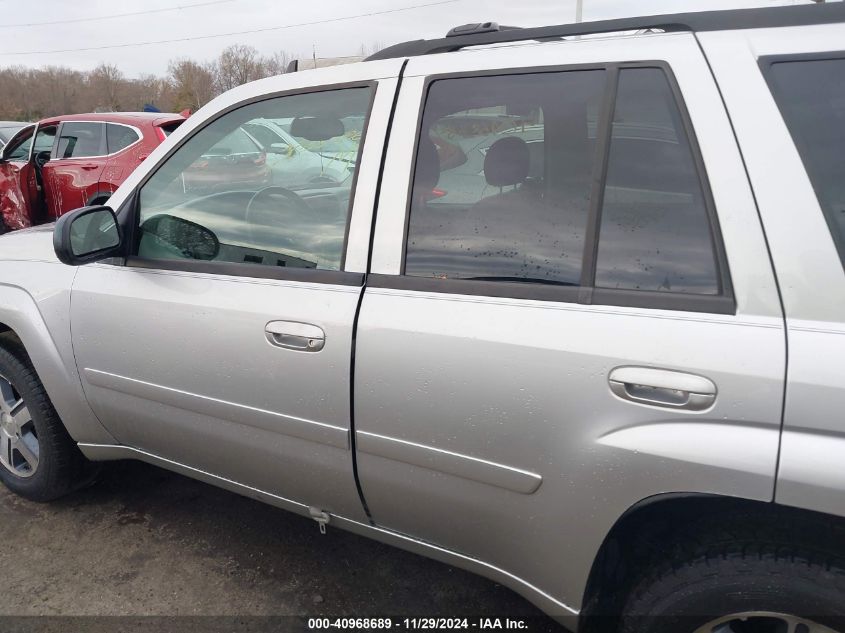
771	265
352	440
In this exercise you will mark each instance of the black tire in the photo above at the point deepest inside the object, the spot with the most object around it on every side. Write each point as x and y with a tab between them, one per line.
61	466
772	563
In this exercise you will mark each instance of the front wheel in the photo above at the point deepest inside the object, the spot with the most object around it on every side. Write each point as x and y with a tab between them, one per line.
752	579
38	459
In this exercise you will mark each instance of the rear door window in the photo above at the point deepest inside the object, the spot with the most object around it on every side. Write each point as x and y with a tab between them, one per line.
811	97
503	177
81	139
557	178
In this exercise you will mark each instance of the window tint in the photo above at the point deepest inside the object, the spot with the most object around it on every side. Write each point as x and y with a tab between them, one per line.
811	96
19	150
169	128
44	138
119	137
502	178
277	209
655	234
80	139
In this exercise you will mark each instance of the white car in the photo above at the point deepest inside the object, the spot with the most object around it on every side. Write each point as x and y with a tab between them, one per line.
291	162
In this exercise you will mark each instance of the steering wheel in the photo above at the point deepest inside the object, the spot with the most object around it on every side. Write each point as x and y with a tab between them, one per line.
295	203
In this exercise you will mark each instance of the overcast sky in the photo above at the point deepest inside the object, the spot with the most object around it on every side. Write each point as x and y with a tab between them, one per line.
30	45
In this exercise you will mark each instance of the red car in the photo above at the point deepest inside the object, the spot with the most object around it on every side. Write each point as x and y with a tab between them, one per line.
76	160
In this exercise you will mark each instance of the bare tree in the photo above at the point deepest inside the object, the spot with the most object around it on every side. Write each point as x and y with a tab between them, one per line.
106	83
28	94
277	63
193	83
237	65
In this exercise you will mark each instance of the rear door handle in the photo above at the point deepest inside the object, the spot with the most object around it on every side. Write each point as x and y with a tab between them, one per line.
662	388
89	167
302	337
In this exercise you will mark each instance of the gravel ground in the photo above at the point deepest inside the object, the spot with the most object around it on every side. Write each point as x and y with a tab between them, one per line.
146	542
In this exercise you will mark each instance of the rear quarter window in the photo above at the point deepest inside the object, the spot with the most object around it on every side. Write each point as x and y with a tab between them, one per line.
119	137
810	92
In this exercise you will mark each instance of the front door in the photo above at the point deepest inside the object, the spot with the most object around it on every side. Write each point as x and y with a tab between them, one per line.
73	173
15	174
225	342
559	325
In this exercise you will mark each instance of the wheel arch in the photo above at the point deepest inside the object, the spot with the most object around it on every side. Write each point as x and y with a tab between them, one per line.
100	197
22	322
647	530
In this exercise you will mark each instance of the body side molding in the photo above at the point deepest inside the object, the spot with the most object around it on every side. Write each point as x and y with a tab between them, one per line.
483	471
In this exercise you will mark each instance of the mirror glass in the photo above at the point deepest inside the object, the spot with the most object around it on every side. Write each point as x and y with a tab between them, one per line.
93	231
171	237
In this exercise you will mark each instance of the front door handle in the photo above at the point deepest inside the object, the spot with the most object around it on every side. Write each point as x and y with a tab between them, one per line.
302	337
662	388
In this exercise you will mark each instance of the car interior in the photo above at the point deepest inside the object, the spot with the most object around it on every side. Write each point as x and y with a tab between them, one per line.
253	222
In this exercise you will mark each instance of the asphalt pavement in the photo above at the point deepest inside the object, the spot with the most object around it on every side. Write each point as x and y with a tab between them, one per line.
146	542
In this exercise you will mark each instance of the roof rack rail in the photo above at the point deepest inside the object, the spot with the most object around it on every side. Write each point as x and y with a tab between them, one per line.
478	35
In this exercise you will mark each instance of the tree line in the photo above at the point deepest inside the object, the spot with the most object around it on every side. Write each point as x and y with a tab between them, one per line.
29	94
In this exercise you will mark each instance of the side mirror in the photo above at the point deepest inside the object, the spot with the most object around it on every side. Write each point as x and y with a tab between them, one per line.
87	235
280	148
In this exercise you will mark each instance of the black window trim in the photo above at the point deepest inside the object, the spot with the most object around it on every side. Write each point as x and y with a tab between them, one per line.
766	63
129	213
721	303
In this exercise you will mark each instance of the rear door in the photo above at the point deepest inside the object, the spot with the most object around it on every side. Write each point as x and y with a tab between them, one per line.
571	307
73	173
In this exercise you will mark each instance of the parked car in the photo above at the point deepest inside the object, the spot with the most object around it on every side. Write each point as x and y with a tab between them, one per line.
293	163
8	129
611	380
75	160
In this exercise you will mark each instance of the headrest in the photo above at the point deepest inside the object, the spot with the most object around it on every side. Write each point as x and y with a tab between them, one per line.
506	162
427	171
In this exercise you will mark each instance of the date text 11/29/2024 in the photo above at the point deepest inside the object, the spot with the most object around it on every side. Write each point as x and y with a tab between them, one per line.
417	623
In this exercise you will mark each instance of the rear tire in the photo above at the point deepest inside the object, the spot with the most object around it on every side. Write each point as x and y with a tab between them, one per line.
38	459
760	577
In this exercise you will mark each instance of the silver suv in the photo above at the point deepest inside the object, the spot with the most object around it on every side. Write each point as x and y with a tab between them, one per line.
575	322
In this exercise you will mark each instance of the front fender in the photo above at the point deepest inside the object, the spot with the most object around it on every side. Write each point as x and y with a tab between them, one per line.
41	321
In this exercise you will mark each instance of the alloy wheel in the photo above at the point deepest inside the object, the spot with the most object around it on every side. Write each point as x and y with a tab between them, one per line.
763	622
19	448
